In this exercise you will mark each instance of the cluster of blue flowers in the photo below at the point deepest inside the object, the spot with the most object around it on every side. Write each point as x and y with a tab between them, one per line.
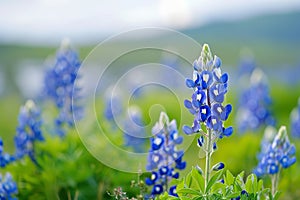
164	158
295	121
277	154
28	131
210	86
134	134
60	87
8	188
254	102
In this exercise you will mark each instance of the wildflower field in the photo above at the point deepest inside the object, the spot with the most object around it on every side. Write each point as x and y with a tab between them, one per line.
160	118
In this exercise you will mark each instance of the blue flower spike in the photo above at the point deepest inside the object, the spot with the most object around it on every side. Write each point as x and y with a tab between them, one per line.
254	104
28	131
164	159
210	86
207	105
59	86
277	153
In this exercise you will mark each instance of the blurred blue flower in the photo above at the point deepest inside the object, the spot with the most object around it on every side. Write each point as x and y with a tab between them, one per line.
28	130
8	188
277	154
164	158
295	121
5	158
254	102
134	131
60	87
210	86
246	66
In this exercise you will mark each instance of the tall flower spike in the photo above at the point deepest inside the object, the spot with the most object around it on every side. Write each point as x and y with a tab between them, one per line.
134	135
59	87
254	103
164	158
8	188
28	130
206	104
280	153
295	121
209	86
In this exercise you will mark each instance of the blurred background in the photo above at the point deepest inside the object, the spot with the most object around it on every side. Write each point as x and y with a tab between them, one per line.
266	32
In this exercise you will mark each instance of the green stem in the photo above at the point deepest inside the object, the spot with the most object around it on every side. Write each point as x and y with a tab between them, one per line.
207	159
275	180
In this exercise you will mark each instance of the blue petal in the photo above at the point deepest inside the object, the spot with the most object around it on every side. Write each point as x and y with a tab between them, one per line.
190	83
157	142
218	166
224	78
204	112
187	130
164	170
196	126
188	104
181	165
228	131
149	181
217	62
157	189
228	109
200	141
172	191
273	169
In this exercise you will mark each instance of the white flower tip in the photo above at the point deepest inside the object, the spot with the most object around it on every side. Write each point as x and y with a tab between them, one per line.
29	105
65	43
257	76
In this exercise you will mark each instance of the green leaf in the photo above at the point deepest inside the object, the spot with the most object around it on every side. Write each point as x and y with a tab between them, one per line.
198	179
188	179
213	180
277	194
188	191
239	182
251	183
218	187
229	178
233	195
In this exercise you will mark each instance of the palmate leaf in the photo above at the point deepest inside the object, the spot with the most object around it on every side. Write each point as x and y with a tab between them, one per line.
198	179
188	191
213	180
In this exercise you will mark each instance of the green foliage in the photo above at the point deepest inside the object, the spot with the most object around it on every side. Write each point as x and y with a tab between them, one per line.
66	170
192	187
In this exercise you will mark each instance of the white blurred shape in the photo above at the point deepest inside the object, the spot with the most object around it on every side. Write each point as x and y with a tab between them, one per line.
29	79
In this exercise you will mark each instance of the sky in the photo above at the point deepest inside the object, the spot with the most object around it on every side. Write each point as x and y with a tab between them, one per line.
48	21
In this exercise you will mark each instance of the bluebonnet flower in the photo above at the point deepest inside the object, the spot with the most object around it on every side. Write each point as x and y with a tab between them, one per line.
295	121
60	87
246	67
28	130
8	188
164	158
280	153
254	104
5	158
134	135
206	104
